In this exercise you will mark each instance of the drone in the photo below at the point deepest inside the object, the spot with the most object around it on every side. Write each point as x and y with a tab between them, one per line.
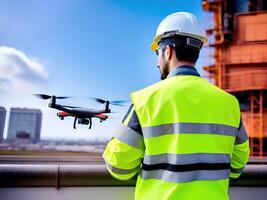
82	115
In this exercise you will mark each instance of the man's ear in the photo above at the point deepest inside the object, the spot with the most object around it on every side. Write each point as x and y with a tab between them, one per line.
168	52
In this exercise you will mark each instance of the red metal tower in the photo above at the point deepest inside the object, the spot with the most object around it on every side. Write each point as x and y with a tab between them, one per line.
238	44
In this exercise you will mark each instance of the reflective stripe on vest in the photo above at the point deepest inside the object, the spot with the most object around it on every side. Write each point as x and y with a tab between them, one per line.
186	159
130	137
186	167
183	177
197	128
121	171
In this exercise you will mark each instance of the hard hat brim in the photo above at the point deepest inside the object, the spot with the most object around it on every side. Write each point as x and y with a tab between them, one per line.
154	46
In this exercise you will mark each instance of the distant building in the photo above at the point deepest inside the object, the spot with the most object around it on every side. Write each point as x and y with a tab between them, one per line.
24	124
2	122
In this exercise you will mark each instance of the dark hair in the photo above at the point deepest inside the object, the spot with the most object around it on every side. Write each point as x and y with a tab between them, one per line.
182	51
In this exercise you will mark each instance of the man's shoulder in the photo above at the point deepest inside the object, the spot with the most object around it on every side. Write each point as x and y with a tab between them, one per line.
223	95
149	89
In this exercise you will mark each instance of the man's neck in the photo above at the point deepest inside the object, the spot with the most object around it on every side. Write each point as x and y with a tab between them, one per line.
178	63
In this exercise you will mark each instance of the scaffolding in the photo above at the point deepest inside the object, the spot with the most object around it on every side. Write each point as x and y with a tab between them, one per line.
216	39
238	43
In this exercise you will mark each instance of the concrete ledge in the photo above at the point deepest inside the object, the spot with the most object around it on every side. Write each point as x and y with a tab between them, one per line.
252	176
19	175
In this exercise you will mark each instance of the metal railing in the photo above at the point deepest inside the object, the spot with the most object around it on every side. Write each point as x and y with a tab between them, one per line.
57	176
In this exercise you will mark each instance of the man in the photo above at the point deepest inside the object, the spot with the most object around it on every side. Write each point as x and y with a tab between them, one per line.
183	136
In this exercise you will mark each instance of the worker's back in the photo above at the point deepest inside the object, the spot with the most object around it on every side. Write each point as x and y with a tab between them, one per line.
183	136
189	128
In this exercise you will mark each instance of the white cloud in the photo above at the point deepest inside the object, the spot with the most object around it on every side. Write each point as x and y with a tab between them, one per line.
19	71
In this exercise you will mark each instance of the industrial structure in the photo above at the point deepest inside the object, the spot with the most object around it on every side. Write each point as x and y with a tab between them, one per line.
237	32
2	121
24	124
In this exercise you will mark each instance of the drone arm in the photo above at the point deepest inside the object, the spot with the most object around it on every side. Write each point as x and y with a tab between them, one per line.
59	107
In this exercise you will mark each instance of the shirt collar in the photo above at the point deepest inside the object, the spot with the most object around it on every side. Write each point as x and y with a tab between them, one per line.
183	70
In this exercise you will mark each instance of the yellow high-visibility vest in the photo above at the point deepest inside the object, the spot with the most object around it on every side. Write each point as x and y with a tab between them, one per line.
192	141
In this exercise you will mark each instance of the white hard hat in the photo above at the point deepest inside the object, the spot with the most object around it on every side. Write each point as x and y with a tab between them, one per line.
179	23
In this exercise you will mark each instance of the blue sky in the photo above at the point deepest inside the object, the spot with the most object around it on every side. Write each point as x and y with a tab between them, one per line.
80	48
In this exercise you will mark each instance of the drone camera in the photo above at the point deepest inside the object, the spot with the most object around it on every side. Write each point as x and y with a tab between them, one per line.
83	121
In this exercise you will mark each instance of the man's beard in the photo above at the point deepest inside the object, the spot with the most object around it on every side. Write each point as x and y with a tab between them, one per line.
165	70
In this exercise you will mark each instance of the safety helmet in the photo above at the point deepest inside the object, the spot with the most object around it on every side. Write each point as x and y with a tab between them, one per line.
179	23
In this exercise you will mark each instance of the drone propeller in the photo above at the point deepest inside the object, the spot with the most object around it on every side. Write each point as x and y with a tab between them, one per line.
45	96
98	100
117	102
42	96
120	101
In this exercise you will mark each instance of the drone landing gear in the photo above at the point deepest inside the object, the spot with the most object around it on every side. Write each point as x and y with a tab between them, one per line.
90	123
82	121
74	123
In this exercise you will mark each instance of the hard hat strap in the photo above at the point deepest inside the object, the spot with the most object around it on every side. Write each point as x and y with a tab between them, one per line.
193	43
182	41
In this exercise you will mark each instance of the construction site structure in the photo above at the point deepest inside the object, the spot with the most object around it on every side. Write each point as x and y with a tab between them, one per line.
237	54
